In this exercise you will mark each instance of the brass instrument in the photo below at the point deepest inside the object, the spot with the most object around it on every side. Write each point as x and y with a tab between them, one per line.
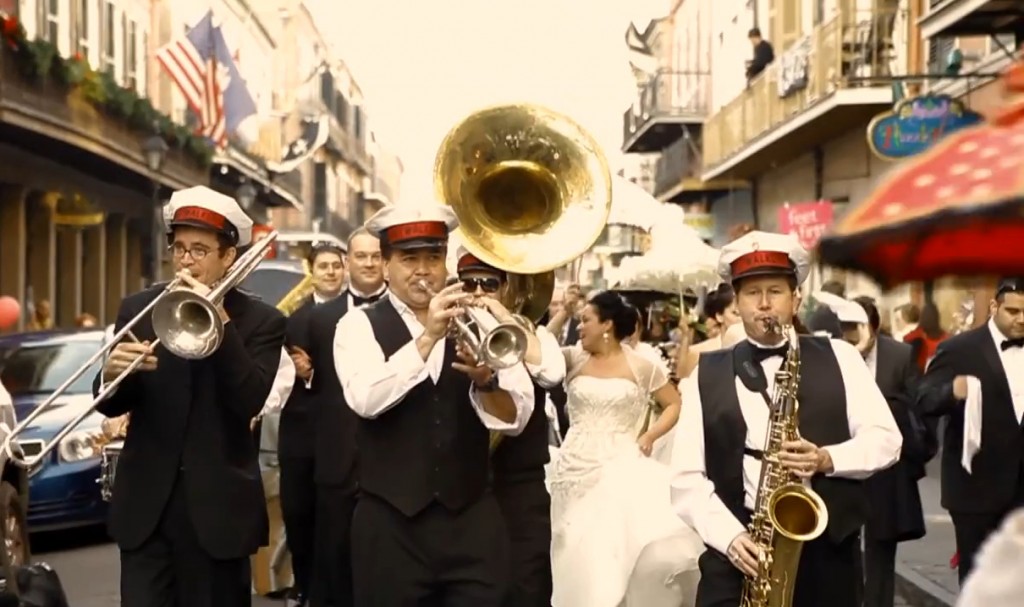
499	345
532	191
786	512
294	299
531	188
186	323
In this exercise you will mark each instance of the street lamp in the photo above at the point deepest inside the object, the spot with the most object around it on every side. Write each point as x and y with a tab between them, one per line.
155	149
246	195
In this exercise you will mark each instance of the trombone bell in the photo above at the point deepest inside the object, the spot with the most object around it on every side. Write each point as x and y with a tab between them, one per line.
188	324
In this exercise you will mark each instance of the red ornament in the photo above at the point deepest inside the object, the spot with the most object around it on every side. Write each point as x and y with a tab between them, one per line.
10	312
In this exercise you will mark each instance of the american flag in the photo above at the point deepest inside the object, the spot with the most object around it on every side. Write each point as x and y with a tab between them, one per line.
201	65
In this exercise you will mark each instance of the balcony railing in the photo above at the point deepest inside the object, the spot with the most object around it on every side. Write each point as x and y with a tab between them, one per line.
669	95
679	161
846	51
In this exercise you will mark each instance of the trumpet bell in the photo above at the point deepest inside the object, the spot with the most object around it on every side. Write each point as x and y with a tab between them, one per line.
531	188
504	346
188	325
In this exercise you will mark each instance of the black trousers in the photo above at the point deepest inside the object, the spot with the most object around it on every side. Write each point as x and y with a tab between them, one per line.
973	528
526	506
437	558
879	573
332	560
298	509
171	569
828	575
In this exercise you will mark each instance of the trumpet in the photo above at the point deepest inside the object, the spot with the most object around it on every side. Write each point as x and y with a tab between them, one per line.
499	345
186	323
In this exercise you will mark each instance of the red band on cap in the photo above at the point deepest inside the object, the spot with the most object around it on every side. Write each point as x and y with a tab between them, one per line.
760	259
202	215
412	231
469	260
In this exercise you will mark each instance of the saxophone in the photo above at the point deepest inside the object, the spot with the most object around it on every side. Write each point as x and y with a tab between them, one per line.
787	513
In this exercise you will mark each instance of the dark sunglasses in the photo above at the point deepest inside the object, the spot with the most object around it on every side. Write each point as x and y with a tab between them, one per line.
488	285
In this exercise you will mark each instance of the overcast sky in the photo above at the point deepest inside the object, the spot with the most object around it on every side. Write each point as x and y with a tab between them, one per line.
425	64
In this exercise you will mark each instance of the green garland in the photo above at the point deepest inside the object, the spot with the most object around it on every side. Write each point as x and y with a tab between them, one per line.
39	61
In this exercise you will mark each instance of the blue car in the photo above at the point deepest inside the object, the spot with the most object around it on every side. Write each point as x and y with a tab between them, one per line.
64	492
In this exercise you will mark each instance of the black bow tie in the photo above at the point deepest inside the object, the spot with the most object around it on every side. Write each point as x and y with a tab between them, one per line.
1012	343
759	355
361	301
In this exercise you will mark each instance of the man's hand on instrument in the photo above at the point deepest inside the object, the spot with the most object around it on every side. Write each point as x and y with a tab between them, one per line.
443	308
124	354
496	308
743	554
301	360
203	290
804	458
468	364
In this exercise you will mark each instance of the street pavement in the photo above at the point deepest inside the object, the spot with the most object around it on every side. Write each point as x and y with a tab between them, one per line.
923	574
88	567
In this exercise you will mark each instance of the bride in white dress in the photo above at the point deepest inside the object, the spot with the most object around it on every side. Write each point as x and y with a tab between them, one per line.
615	538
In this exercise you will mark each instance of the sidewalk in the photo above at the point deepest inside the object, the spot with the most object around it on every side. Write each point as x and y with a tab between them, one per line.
923	575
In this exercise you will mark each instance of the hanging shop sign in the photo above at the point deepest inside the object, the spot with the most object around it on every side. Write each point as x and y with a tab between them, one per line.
916	123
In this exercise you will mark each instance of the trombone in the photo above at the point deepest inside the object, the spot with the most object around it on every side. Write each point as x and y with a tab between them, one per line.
499	345
186	324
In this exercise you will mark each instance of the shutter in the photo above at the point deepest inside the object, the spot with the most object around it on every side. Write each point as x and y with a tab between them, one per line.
939	49
320	191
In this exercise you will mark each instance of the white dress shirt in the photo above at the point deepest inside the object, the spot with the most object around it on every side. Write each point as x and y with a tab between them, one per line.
871	359
372	385
874	445
551	370
1013	367
281	389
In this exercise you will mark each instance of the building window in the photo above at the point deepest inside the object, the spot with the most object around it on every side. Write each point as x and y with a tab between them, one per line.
130	53
82	29
109	42
49	20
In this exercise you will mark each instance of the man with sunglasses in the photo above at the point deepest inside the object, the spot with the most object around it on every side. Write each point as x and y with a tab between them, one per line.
976	381
518	462
334	425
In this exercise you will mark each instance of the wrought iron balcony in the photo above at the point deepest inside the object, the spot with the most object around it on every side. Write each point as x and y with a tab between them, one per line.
669	101
972	18
834	79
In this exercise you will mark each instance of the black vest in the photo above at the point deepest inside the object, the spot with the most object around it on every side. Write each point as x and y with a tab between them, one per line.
431	446
822	421
521	458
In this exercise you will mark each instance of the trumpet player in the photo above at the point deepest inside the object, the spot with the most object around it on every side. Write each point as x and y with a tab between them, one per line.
426	525
189	509
847	433
518	463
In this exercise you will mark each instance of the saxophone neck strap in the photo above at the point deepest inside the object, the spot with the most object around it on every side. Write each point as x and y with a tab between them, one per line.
749	370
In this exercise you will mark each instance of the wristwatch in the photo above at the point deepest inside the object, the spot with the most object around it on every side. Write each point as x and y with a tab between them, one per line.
490	386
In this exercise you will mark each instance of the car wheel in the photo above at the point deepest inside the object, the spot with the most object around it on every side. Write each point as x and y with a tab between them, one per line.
14	526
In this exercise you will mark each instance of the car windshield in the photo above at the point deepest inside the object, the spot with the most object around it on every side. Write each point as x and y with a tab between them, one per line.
271	285
42	369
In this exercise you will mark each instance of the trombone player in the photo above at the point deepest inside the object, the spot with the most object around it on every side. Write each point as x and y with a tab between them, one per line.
426	524
189	508
518	463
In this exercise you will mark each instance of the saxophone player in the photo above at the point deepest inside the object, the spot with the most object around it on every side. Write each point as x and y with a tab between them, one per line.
846	433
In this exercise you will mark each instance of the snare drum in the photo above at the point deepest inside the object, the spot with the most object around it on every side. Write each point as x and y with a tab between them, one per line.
108	468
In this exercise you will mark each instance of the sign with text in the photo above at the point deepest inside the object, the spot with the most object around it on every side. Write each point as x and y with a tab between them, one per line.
703	223
808	221
917	123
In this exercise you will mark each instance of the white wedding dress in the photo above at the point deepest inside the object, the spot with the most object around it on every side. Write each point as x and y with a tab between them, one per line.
615	538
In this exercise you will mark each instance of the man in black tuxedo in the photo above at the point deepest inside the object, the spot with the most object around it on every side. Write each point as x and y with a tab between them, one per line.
518	463
296	434
894	512
426	529
188	509
333	435
979	488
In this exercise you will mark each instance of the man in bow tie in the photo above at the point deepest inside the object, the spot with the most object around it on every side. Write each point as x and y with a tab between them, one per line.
847	430
981	371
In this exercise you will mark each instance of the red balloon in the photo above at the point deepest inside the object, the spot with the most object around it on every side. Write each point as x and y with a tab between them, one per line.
10	312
